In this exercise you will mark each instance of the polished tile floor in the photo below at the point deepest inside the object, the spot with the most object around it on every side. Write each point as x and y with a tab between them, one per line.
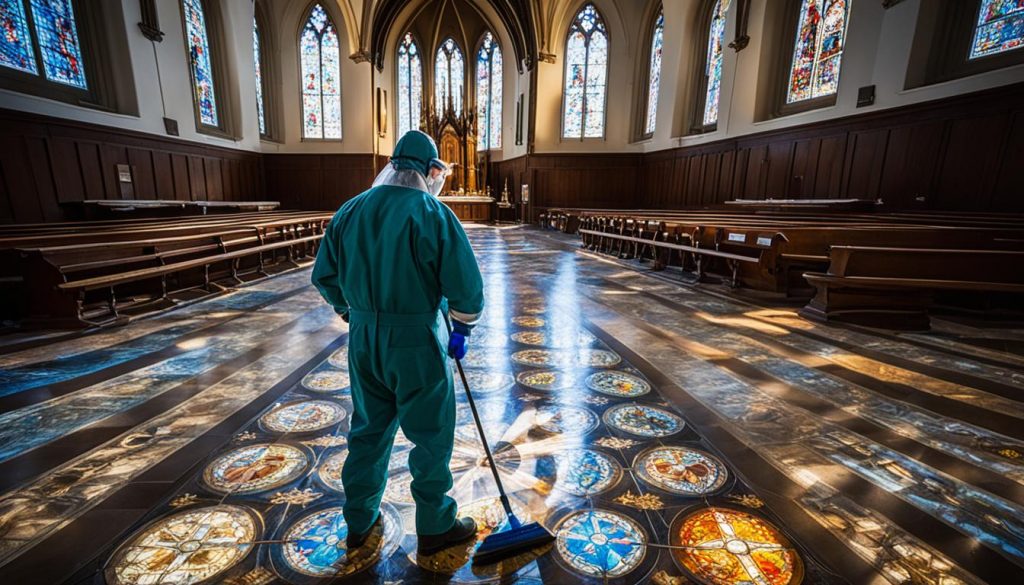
665	434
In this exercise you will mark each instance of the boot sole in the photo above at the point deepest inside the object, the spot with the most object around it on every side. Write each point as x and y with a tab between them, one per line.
426	552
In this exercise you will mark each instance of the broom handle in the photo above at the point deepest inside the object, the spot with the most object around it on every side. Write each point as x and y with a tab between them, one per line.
483	438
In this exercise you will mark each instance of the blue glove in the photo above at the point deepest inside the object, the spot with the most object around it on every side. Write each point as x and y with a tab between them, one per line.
458	342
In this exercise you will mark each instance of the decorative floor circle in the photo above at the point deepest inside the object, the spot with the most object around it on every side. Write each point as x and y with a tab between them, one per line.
303	417
681	470
542	357
542	339
584	472
315	544
326	381
600	543
528	321
480	358
399	490
255	468
330	470
645	421
598	358
545	380
721	546
339	359
566	420
488	382
616	383
186	548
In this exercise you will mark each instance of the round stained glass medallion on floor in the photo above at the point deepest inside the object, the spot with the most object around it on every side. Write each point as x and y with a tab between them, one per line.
598	358
546	380
721	546
303	417
339	359
481	358
600	543
542	357
190	547
315	545
617	383
487	382
554	340
584	472
566	420
330	470
326	381
681	470
255	468
642	420
528	321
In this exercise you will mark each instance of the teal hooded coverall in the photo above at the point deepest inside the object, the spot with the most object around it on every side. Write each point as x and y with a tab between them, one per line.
389	259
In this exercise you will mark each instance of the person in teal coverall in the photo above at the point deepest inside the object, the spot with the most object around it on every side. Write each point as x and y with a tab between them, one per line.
390	260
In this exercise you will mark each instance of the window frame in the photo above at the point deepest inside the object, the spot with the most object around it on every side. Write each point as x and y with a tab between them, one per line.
652	27
950	47
423	80
490	89
785	64
268	73
298	57
565	75
98	93
212	18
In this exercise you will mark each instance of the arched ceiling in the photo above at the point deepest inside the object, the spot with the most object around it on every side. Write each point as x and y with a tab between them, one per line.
517	16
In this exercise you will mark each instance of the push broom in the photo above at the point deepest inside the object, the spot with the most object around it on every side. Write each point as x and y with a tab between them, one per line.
519	538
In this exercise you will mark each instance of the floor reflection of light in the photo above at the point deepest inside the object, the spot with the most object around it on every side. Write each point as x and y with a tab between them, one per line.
195	343
742	322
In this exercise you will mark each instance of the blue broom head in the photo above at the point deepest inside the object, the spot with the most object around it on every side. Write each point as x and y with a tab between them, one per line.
512	542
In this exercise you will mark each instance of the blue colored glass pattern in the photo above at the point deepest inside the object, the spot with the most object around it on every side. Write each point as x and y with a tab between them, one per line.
57	36
1000	27
820	38
586	75
713	62
256	57
202	69
320	56
449	77
654	75
16	42
488	93
410	85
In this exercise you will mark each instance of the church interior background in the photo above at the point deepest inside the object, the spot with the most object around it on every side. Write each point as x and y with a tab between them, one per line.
664	432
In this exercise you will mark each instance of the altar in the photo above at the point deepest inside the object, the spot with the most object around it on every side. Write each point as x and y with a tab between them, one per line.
471	208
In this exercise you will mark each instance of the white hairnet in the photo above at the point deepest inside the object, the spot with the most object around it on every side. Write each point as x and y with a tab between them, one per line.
400	178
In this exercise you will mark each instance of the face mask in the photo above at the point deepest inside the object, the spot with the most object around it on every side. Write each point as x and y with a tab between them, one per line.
434	185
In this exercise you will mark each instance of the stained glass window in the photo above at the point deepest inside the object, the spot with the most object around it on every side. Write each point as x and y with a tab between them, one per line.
449	76
586	75
820	38
410	85
16	42
57	36
202	68
713	62
654	75
999	28
488	93
256	56
320	55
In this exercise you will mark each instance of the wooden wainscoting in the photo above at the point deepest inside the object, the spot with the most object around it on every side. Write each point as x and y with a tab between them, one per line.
318	181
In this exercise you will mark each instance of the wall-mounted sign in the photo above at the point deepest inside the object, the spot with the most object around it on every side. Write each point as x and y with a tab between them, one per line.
124	173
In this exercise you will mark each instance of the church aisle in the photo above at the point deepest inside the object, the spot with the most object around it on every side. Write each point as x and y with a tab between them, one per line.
205	444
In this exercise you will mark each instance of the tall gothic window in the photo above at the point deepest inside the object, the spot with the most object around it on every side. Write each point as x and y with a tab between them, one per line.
586	75
999	28
200	62
320	59
654	75
449	76
257	58
713	62
488	93
410	85
53	40
820	38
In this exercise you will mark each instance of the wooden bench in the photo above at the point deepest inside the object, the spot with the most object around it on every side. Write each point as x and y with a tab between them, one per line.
894	287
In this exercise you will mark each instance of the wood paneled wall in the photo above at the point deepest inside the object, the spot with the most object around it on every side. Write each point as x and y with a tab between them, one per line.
47	162
318	181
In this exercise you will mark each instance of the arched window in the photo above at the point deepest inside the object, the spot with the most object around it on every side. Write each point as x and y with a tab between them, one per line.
713	62
999	28
820	37
200	62
320	60
410	85
449	76
257	58
488	93
654	75
586	75
54	42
